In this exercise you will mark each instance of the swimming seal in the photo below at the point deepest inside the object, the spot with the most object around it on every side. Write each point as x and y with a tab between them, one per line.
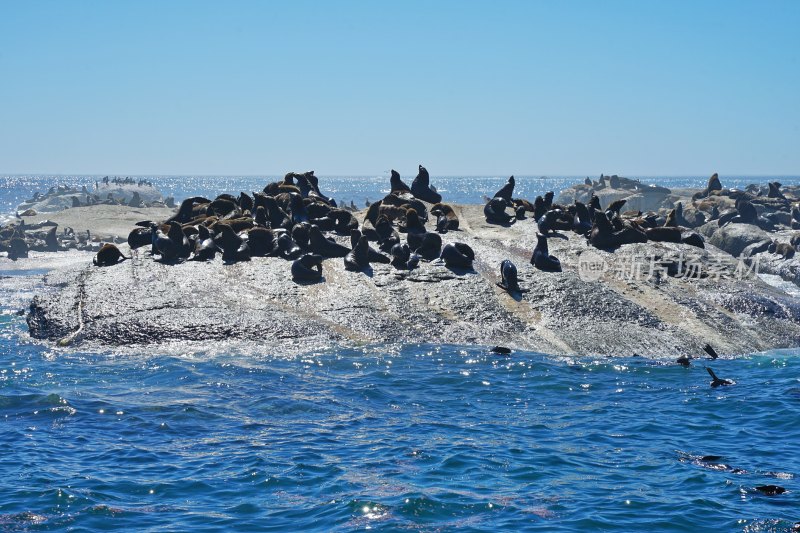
541	257
307	268
108	255
715	381
457	255
421	187
508	275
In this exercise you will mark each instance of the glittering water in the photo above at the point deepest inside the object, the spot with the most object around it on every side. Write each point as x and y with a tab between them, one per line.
455	189
386	437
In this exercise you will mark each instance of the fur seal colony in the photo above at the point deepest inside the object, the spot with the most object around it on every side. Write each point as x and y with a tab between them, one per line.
287	266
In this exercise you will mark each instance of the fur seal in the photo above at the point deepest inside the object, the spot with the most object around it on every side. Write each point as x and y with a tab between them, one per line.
396	184
421	187
323	246
400	255
139	237
506	191
495	212
374	255
428	245
261	241
234	247
508	276
783	249
457	255
715	381
541	257
710	351
358	258
108	255
413	223
447	220
307	268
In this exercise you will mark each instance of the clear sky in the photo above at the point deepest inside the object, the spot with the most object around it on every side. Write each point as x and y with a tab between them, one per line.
645	87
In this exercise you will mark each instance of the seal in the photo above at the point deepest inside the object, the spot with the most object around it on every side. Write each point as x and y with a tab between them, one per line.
506	191
428	245
581	222
446	220
358	258
396	184
108	255
325	247
374	255
495	212
261	241
400	256
715	381
541	257
783	249
421	187
233	247
139	237
307	268
457	255
413	223
508	277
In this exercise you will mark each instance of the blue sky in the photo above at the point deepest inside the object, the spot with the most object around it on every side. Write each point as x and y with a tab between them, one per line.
466	88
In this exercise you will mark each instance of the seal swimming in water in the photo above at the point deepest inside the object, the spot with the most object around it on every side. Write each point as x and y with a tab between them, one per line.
715	381
508	275
457	255
421	187
307	268
108	255
541	257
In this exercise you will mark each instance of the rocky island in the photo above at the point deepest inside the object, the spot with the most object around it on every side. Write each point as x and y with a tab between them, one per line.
656	298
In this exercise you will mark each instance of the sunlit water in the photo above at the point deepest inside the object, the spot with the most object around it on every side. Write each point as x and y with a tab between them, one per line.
387	438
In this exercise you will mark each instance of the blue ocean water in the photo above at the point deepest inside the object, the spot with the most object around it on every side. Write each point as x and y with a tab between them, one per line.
431	438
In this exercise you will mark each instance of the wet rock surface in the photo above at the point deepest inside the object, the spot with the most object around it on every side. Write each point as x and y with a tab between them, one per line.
651	299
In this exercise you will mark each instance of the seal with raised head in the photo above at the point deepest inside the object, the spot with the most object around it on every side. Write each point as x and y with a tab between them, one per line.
508	277
307	268
541	257
323	246
421	187
358	258
108	255
506	191
397	184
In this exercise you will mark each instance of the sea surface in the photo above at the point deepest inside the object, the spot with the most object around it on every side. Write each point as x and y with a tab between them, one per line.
383	437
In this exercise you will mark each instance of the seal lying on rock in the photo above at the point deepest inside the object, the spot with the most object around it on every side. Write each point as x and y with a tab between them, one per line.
457	255
307	268
541	257
108	255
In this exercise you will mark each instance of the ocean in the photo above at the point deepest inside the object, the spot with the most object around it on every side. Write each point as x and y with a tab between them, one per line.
384	437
